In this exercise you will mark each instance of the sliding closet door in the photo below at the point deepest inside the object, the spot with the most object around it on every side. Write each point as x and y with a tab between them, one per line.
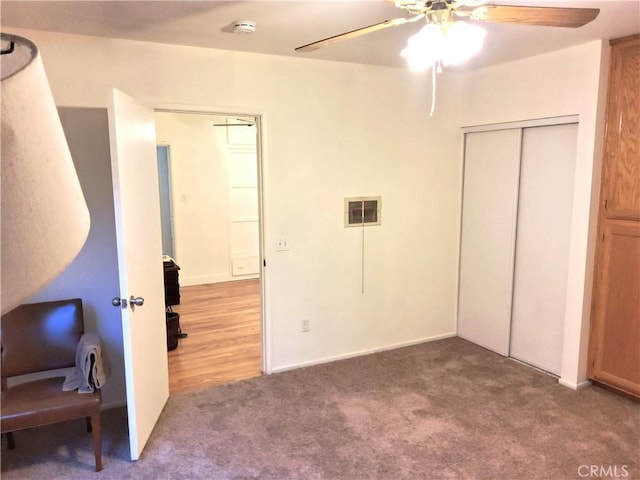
491	175
542	245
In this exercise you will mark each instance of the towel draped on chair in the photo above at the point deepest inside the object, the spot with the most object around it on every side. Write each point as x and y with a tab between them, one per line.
92	368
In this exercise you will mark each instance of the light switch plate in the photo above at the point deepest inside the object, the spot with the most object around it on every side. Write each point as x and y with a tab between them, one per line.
282	244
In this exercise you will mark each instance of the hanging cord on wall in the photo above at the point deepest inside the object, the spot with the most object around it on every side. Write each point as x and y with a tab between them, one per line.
435	69
362	256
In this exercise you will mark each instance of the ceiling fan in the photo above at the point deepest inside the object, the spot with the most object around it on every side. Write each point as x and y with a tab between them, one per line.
445	12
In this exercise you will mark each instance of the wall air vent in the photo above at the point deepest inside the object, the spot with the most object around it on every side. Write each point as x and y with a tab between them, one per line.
362	211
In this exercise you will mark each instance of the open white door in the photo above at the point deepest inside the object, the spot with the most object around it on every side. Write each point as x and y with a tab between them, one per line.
137	213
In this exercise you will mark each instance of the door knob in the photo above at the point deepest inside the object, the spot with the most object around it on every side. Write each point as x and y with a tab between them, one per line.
137	301
119	302
123	302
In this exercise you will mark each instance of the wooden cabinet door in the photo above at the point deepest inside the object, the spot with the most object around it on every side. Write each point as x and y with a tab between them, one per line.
622	140
615	334
614	348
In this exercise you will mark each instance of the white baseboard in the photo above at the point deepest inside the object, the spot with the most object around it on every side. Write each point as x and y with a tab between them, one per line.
362	352
214	278
573	385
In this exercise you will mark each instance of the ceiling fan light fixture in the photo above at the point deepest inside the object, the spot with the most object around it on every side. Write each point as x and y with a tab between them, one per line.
423	49
463	41
447	44
479	14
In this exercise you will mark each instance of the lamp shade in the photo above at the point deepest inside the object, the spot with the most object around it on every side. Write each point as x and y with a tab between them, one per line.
45	220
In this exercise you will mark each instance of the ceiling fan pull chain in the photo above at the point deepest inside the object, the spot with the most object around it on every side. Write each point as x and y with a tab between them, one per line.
433	89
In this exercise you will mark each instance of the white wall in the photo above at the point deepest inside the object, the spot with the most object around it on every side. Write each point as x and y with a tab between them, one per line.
93	275
331	130
565	82
200	195
208	235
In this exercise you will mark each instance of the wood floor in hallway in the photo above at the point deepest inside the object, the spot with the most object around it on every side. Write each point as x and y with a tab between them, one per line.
223	345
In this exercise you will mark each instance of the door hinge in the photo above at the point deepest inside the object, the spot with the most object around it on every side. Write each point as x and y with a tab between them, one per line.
606	201
264	262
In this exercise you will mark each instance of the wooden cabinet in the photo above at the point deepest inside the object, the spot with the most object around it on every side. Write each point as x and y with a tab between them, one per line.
614	348
621	183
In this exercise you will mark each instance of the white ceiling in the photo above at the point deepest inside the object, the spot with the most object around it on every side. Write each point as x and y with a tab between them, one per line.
284	25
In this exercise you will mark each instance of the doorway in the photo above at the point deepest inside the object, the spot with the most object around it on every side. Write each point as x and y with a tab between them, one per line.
213	178
166	210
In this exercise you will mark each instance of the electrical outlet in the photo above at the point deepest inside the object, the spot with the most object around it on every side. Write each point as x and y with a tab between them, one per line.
305	325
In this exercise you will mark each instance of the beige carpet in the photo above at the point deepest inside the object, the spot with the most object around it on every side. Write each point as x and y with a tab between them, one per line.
441	410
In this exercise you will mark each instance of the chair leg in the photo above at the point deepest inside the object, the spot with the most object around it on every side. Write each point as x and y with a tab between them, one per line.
11	442
97	440
88	424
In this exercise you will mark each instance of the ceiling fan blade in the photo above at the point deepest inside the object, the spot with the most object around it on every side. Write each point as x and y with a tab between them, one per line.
542	16
356	33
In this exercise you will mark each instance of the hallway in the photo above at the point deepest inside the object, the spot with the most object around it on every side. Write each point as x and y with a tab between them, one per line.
222	321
